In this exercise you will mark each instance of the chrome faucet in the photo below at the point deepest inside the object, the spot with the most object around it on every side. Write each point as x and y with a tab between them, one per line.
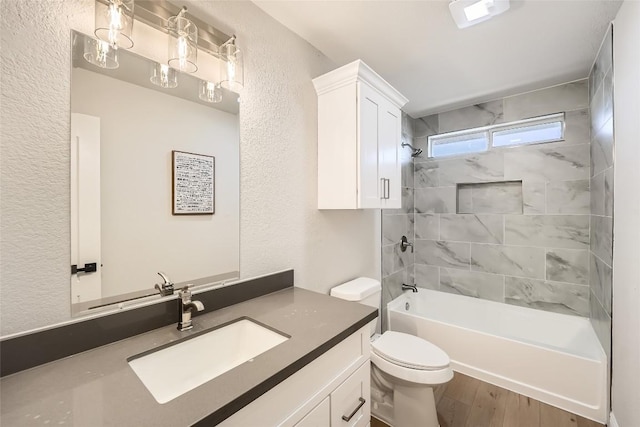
186	307
406	287
165	288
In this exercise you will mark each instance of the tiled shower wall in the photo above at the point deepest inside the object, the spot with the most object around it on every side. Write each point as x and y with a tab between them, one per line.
397	266
602	149
523	238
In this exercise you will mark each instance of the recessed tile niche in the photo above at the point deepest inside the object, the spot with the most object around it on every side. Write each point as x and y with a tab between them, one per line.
502	197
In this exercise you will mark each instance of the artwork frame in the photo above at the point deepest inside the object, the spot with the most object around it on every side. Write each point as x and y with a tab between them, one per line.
192	183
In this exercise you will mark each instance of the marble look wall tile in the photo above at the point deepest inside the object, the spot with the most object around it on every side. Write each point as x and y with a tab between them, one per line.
426	174
602	149
493	197
601	323
484	167
566	97
442	254
485	114
577	127
601	281
568	265
608	95
426	126
391	289
394	227
568	197
427	226
407	178
407	126
602	238
542	163
427	276
533	197
410	274
435	200
597	194
406	201
608	192
472	228
510	260
464	199
472	284
545	295
550	231
603	63
597	108
388	260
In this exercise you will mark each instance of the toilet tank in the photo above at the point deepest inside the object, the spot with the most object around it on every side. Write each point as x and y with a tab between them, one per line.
364	291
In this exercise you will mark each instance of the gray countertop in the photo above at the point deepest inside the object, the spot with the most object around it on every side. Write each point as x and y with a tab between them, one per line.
98	388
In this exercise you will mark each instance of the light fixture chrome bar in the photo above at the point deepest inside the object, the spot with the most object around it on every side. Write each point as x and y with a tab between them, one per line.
155	13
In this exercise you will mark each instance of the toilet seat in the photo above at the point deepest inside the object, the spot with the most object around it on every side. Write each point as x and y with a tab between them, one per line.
410	351
410	358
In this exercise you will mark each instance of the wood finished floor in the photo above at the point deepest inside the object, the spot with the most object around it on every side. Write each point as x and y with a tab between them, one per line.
468	402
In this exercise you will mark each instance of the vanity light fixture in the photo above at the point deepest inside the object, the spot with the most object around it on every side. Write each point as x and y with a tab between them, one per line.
183	43
164	76
114	24
231	66
210	92
471	12
100	53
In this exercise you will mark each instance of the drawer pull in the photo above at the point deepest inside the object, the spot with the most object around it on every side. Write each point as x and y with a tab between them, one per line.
347	419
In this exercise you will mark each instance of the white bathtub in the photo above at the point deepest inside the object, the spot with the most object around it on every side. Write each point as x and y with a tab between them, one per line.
553	358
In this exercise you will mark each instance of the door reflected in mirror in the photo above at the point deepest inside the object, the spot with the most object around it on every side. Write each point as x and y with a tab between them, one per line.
123	132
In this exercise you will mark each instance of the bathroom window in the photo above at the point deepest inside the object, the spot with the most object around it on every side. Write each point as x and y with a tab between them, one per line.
537	130
454	143
532	131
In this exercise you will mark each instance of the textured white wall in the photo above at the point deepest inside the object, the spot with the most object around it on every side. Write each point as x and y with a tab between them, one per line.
625	393
279	226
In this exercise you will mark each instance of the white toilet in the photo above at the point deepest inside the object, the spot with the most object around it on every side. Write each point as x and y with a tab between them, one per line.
404	367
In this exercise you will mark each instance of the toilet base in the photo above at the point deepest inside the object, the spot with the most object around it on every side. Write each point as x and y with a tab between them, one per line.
402	404
414	406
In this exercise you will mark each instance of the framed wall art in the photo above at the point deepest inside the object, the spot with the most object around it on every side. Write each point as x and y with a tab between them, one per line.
193	183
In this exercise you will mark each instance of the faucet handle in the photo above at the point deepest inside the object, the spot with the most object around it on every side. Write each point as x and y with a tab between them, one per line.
185	292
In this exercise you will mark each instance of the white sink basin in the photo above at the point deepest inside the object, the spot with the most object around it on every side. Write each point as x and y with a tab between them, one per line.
172	371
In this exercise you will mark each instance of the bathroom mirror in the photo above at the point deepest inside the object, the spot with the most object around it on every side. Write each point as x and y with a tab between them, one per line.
124	131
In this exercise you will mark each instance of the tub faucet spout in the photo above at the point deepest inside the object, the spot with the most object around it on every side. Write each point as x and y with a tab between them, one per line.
406	287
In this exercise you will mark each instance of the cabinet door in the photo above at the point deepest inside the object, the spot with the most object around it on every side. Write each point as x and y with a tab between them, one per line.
318	417
369	184
346	399
389	167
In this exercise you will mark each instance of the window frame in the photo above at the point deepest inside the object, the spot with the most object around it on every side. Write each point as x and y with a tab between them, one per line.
491	129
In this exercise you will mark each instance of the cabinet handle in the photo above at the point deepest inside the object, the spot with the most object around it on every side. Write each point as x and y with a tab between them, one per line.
347	419
388	188
382	180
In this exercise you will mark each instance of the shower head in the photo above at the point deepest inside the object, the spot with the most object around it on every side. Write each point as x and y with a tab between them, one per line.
415	152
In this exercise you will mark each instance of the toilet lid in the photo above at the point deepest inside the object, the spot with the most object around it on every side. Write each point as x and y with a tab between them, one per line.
409	351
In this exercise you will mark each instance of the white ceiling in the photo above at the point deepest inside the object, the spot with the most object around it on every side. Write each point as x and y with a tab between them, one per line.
416	46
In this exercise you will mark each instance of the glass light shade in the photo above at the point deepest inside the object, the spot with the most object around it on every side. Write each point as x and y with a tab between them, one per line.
100	53
164	76
210	92
114	24
231	67
183	44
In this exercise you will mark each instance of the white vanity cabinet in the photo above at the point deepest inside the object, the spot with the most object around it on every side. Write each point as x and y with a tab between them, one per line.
359	137
319	394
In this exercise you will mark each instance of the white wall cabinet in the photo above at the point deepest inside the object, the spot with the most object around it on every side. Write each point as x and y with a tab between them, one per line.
359	136
319	394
